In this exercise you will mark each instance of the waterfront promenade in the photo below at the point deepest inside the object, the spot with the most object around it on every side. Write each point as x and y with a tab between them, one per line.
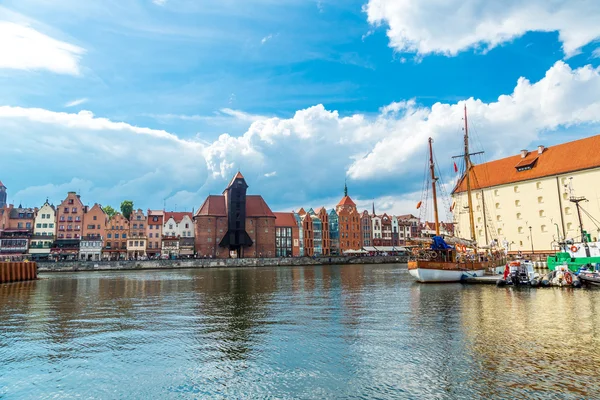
74	266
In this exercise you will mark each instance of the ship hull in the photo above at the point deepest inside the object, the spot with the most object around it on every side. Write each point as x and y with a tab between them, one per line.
428	271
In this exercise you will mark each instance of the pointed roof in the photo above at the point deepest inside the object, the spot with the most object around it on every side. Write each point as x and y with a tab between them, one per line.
2	185
177	216
214	205
237	176
257	207
301	212
346	201
285	219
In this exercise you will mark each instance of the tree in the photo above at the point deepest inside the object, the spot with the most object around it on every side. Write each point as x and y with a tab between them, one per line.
109	211
127	208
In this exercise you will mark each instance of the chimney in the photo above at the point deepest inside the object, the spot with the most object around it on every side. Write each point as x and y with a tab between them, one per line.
524	153
541	149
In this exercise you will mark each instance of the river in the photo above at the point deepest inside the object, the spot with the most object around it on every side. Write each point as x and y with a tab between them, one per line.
359	331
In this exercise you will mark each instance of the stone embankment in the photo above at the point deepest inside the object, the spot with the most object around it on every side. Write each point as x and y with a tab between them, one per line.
72	266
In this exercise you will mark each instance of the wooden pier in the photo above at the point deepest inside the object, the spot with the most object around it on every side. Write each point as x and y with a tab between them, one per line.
17	271
483	280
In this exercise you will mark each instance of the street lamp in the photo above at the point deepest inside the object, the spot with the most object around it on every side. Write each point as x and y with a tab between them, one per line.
531	240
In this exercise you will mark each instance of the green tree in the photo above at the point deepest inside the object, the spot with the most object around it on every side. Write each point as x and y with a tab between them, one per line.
109	211
127	208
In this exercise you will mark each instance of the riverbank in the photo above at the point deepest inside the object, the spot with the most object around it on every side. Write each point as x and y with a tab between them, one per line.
74	266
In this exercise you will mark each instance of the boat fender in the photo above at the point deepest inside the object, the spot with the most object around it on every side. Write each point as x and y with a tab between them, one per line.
545	282
568	278
574	248
500	282
576	283
534	283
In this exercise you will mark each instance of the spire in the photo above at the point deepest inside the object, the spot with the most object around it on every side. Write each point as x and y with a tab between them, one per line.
345	188
373	208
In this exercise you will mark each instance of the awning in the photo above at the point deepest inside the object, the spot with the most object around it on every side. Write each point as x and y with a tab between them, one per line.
384	248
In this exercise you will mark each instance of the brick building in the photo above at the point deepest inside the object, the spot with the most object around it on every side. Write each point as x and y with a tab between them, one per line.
94	233
235	224
287	235
16	230
308	233
349	224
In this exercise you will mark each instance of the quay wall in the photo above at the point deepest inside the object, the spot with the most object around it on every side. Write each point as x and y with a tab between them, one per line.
17	271
73	266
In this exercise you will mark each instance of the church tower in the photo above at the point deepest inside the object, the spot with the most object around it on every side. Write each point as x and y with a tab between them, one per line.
236	237
2	195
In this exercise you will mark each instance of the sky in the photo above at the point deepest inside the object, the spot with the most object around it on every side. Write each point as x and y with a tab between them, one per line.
163	101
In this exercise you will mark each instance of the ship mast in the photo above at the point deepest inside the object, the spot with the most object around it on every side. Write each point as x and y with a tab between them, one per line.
468	178
433	180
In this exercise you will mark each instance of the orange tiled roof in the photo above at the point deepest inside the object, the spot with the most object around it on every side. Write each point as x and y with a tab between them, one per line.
213	206
560	159
301	211
286	219
257	207
346	201
177	216
237	176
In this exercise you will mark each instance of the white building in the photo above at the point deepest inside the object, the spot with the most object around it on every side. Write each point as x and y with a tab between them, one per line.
375	227
178	234
44	230
525	200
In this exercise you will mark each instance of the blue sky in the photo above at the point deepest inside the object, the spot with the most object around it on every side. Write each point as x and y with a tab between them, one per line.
161	102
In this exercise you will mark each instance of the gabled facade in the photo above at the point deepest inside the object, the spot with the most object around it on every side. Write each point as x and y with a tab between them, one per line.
117	234
43	232
366	229
287	235
308	229
349	224
334	233
69	222
137	241
300	234
178	226
16	231
154	227
94	234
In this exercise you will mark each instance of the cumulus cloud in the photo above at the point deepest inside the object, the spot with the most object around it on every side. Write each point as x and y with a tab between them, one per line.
24	48
452	26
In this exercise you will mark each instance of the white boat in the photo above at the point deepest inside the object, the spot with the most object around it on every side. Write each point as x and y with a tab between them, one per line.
441	272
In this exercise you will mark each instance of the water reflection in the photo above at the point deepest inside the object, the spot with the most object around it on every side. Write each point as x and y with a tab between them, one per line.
315	332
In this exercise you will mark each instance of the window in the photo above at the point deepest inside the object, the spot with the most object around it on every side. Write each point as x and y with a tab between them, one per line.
520	243
538	185
517	203
150	234
542	213
520	230
519	216
498	218
38	225
478	208
544	228
565	196
209	239
124	235
499	231
170	226
497	205
569	226
540	199
568	210
479	220
187	226
141	226
496	192
516	189
44	225
74	209
131	243
116	235
134	226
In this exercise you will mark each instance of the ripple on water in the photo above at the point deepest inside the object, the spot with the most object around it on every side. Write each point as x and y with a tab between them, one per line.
320	332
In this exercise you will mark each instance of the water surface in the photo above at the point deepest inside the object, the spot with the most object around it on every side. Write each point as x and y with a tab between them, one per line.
315	332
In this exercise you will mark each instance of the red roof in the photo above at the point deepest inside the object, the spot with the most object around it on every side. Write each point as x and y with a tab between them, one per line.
286	219
346	201
213	206
301	211
257	207
560	159
237	176
177	216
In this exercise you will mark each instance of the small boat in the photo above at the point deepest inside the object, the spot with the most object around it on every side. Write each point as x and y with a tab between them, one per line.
590	277
561	276
519	273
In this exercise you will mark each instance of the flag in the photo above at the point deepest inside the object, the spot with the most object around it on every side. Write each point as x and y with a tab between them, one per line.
419	205
455	168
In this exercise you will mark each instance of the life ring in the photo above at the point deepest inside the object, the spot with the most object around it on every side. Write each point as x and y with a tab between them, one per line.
464	248
574	248
568	278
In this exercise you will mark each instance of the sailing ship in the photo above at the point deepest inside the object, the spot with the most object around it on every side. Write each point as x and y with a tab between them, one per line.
442	262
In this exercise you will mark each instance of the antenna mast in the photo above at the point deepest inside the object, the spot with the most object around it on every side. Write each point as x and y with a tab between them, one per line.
433	180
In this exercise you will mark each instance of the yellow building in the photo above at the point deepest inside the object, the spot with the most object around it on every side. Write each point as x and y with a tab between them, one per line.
526	199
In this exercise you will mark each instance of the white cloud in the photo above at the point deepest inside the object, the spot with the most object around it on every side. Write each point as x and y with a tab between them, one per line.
596	53
159	2
266	38
76	102
270	174
24	48
452	26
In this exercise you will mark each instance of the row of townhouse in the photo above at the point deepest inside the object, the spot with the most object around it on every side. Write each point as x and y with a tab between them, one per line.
74	231
324	232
